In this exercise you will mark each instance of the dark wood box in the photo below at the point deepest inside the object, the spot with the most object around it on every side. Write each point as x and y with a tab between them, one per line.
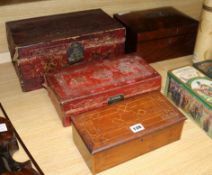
205	67
111	135
90	85
159	34
43	44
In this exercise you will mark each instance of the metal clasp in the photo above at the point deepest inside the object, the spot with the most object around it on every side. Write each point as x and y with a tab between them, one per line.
75	52
115	99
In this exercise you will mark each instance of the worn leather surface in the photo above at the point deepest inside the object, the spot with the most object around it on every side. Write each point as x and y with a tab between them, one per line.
43	29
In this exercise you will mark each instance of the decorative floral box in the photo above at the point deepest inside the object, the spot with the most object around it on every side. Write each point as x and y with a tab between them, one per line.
191	90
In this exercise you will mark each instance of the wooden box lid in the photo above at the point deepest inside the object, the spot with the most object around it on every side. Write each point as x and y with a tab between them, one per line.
45	29
107	127
96	77
157	23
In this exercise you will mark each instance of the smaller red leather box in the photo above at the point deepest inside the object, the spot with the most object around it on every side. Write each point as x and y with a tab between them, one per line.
90	85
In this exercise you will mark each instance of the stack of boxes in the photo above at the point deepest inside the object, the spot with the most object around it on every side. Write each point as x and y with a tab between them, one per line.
112	98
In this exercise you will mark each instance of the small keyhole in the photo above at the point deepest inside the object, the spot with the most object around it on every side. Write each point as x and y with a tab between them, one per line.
141	139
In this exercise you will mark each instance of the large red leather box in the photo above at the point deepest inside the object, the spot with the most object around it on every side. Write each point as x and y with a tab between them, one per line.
158	34
43	44
90	85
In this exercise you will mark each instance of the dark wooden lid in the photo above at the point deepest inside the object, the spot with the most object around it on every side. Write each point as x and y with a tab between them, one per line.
88	79
107	127
157	23
50	28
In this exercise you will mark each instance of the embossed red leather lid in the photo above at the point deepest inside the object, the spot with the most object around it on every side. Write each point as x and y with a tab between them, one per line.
110	126
85	80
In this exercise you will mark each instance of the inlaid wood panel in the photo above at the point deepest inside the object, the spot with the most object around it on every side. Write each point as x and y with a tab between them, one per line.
143	123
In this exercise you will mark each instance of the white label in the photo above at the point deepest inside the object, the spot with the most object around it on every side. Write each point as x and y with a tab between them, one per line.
137	127
3	127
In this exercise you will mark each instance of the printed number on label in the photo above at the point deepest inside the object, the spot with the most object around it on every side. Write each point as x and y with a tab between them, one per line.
3	127
137	127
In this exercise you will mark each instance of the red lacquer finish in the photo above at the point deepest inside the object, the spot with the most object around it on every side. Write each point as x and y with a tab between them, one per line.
87	86
45	47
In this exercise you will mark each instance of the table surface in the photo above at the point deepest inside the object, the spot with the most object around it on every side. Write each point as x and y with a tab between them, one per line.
37	122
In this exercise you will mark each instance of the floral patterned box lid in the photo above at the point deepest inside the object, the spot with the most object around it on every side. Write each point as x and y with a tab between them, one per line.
195	82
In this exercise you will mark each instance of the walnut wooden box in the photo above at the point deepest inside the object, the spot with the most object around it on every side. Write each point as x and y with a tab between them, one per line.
111	135
159	34
90	85
42	44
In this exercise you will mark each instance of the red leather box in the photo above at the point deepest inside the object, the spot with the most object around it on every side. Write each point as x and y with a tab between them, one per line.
89	85
40	45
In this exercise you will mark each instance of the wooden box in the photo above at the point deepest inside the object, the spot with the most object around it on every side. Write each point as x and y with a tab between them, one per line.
205	67
111	135
159	34
190	90
42	44
90	85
